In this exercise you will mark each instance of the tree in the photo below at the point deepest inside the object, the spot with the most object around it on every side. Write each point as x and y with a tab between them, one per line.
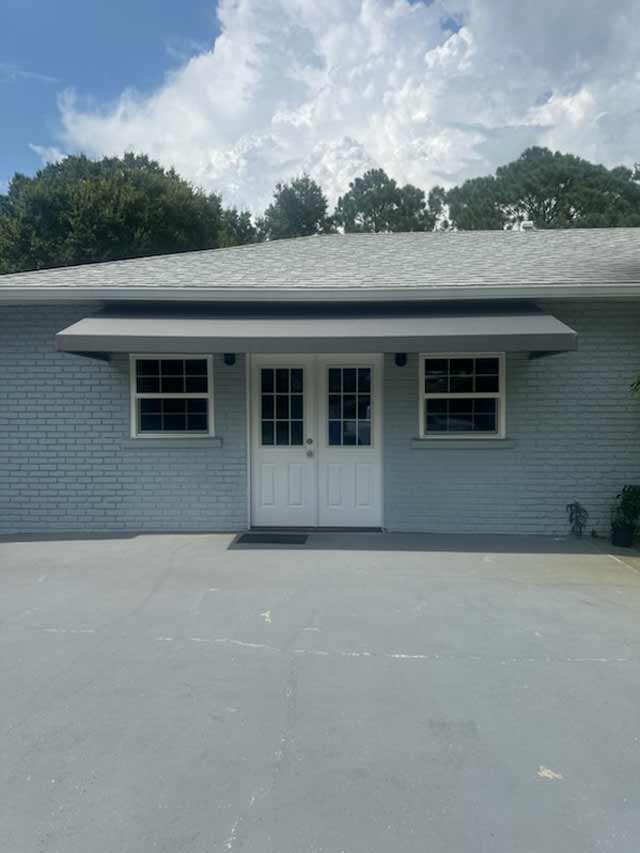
298	209
236	228
375	202
82	211
553	190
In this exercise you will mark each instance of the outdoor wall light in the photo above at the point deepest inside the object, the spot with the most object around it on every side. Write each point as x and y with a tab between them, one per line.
229	358
401	359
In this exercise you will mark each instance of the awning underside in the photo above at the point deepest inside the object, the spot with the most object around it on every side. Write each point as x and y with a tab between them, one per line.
516	331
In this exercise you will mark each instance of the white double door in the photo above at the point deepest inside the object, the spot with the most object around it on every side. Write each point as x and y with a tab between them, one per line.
316	440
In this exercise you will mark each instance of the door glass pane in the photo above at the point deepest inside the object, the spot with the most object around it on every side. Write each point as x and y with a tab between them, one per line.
282	406
349	407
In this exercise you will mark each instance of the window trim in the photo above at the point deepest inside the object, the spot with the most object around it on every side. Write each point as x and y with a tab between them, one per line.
134	396
501	397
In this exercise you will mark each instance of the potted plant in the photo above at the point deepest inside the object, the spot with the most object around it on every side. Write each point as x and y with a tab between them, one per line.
578	517
625	513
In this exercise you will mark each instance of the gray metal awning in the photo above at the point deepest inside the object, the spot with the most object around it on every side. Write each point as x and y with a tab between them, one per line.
499	331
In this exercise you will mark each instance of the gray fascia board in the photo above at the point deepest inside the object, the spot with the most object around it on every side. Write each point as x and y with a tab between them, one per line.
471	343
44	295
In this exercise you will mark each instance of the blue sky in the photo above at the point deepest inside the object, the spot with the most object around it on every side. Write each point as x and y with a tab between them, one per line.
99	48
262	90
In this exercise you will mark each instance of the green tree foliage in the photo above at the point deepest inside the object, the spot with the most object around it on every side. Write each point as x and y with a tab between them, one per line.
553	190
375	202
236	228
298	209
81	211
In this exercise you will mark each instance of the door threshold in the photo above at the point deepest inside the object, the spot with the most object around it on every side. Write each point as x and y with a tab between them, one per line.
309	530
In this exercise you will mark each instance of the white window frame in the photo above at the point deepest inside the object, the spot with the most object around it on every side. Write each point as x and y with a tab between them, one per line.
135	396
500	396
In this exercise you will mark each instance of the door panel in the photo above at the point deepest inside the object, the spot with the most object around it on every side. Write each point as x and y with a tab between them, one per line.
283	466
350	446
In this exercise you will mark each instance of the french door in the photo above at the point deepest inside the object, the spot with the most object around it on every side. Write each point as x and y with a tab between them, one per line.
316	440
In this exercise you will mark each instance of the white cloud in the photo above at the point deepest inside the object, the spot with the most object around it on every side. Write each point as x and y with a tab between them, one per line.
337	86
47	153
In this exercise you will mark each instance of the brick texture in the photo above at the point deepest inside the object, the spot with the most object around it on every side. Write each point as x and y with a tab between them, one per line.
67	462
66	457
573	426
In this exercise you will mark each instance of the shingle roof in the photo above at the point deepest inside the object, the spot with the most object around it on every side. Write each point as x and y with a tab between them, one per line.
422	264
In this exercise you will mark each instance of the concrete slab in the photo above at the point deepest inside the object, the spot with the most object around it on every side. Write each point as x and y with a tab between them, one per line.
361	693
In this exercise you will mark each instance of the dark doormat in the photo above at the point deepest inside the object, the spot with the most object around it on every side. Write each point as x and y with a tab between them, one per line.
272	539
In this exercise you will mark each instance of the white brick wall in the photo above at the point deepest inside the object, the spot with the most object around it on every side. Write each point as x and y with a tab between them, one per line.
67	462
66	459
574	428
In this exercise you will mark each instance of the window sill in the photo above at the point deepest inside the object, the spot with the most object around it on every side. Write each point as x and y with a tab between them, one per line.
174	442
462	443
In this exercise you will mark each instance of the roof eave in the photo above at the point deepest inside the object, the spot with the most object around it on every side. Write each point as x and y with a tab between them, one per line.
25	295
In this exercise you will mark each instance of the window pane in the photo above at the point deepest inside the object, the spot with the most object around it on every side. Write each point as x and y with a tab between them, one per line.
150	423
197	384
282	432
282	406
282	380
436	367
364	407
267	432
267	380
148	384
149	407
485	384
267	406
349	406
174	423
349	375
436	386
173	415
364	433
460	423
461	385
461	366
195	367
296	406
335	432
172	367
349	432
457	407
364	379
436	423
438	406
172	384
147	367
297	380
461	415
196	406
487	365
484	423
197	423
296	432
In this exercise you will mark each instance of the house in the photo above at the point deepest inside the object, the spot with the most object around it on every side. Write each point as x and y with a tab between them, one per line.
463	382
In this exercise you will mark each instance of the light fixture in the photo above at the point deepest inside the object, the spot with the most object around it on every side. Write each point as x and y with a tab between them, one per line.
229	358
401	359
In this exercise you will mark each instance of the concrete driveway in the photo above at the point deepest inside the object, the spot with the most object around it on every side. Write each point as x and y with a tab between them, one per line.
360	694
